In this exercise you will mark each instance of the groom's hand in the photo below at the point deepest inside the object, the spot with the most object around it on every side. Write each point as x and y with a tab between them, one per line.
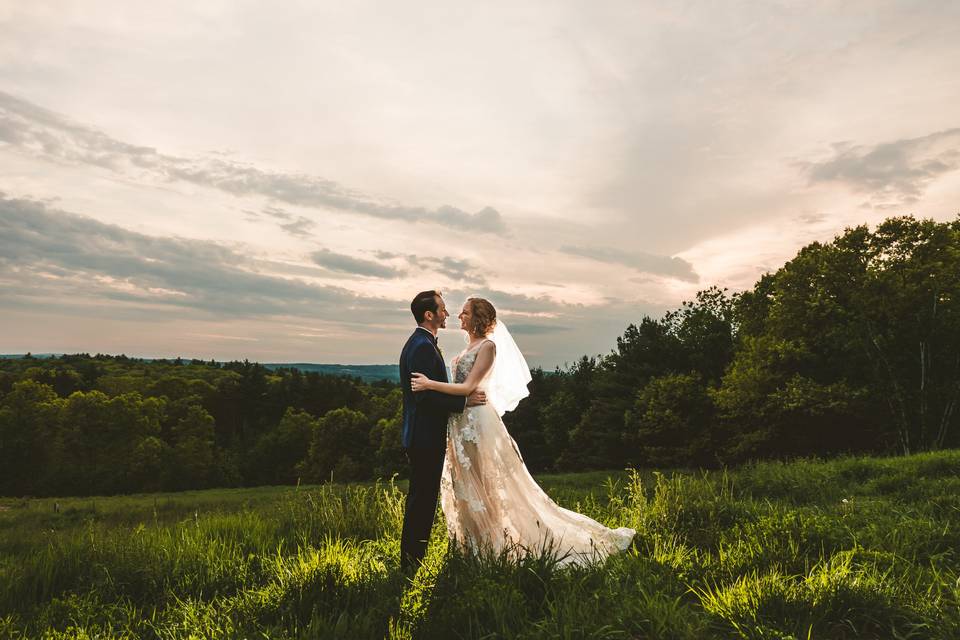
476	398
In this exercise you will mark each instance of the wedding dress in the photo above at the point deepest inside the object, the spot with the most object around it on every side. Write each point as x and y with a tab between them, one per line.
492	503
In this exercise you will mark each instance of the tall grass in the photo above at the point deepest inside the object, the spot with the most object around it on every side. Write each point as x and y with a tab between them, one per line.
850	548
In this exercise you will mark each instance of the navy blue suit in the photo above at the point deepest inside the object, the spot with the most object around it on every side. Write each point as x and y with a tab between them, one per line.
424	437
425	414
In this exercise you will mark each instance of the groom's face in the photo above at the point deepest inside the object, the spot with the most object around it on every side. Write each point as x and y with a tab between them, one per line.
440	317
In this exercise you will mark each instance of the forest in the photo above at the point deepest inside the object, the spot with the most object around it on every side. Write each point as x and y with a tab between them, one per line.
852	346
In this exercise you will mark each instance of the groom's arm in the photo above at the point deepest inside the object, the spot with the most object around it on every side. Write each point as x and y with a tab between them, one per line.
424	360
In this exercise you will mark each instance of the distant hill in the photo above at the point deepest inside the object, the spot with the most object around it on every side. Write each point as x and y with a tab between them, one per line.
17	356
366	372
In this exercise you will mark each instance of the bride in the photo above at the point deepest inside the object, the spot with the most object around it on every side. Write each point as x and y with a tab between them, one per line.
490	500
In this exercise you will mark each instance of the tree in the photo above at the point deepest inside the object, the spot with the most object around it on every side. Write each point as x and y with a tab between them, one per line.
195	460
64	379
669	423
910	313
338	448
558	419
879	313
389	458
28	418
95	439
769	408
525	426
705	329
274	458
149	465
645	350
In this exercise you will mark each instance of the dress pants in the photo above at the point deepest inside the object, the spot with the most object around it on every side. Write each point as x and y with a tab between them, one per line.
426	467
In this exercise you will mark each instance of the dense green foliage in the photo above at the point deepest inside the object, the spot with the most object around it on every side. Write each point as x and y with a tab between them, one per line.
851	347
87	425
850	548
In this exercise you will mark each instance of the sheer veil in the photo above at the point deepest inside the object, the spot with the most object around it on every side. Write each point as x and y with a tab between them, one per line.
507	384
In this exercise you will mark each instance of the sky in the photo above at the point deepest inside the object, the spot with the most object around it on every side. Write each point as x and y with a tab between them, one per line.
275	181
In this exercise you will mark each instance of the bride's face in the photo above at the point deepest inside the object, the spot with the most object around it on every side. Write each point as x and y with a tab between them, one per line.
465	316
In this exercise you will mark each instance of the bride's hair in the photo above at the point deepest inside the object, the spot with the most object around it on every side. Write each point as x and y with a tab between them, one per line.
483	317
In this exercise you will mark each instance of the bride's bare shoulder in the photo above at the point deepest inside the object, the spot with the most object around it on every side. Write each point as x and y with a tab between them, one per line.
488	347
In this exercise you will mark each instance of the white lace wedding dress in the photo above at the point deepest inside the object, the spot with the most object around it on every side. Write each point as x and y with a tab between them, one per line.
492	503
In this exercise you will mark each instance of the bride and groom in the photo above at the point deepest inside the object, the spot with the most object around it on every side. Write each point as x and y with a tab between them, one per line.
460	451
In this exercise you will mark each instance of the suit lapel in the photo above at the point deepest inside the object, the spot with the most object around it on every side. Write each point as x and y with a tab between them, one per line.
443	365
436	351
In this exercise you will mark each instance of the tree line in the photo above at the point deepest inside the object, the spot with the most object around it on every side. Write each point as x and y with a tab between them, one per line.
853	346
82	424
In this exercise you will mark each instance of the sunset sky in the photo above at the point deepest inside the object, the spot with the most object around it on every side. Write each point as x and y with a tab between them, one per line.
275	181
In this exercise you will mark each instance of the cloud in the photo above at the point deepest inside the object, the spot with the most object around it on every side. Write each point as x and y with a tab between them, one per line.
354	266
461	270
550	331
299	228
811	218
57	264
512	303
892	173
278	213
644	262
536	329
48	255
45	134
296	226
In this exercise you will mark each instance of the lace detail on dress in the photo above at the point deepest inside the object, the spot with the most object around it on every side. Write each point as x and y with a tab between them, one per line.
466	433
464	428
463	363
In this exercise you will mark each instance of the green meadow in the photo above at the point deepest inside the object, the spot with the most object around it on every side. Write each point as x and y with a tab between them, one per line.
849	548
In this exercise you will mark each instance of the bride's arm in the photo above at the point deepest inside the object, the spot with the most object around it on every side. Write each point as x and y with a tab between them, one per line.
485	358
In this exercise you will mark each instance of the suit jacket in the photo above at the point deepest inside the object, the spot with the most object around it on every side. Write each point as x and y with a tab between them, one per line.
425	413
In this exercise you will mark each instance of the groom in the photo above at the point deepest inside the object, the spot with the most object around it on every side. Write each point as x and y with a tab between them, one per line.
425	415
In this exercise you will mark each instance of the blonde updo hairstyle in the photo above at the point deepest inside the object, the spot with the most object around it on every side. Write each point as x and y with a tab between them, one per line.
483	317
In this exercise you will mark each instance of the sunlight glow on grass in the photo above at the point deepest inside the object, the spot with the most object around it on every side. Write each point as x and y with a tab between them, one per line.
855	547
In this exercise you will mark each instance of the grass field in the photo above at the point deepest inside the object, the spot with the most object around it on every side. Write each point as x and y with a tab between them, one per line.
850	548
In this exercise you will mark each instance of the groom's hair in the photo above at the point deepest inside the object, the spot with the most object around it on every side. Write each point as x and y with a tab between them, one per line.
423	302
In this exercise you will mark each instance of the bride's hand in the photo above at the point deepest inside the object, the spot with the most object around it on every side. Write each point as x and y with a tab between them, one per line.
419	382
